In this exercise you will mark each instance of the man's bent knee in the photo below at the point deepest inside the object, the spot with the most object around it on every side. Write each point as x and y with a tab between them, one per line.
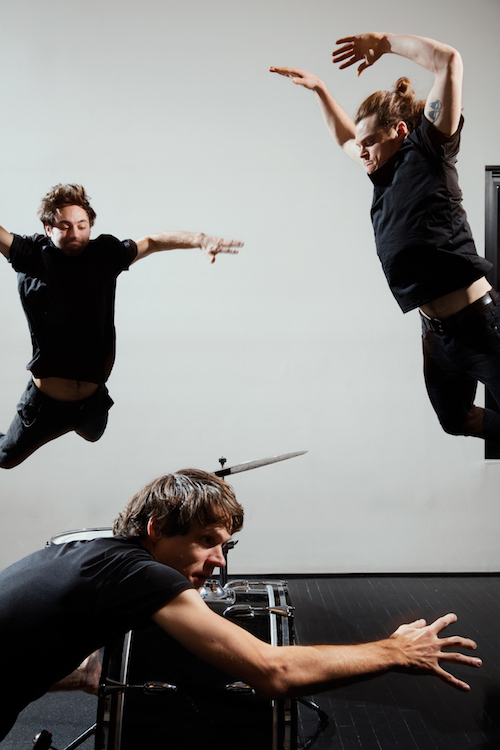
472	426
89	438
9	462
474	422
92	435
4	464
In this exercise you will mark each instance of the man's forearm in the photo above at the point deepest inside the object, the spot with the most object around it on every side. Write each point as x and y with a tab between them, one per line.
86	677
429	53
153	243
296	670
211	246
338	122
305	669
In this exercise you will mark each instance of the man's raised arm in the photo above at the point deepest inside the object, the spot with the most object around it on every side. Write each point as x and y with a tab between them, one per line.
211	246
338	122
444	103
6	239
294	670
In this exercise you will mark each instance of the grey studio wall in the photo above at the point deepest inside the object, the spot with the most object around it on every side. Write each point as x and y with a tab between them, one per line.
166	112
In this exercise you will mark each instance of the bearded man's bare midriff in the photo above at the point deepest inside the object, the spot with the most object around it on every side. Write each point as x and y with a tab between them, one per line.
64	389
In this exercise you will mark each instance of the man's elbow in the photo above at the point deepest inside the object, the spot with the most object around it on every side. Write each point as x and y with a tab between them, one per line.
454	63
145	246
456	58
275	681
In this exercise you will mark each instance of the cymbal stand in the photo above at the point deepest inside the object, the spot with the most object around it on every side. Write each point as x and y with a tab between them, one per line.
229	545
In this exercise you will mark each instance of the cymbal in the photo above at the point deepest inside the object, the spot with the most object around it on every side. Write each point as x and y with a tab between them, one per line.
255	464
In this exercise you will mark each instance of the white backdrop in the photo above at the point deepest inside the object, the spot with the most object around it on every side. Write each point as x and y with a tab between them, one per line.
168	115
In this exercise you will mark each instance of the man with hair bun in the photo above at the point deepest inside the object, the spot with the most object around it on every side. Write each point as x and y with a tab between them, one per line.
67	283
409	150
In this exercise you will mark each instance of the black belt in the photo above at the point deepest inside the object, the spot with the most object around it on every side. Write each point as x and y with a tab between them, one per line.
454	321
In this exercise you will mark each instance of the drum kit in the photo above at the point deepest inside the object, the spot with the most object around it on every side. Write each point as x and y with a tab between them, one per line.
156	694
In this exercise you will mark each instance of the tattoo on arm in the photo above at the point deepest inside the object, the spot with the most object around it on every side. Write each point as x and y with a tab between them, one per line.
434	111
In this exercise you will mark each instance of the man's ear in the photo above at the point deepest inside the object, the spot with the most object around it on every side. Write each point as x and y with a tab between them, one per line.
48	230
402	130
153	529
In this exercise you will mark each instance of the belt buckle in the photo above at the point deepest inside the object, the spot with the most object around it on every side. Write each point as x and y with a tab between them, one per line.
432	324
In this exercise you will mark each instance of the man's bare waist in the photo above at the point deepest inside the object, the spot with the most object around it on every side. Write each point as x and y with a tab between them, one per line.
451	303
64	389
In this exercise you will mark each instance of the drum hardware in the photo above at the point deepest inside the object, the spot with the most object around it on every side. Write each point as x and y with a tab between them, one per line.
323	722
152	687
212	591
222	472
242	585
246	610
223	571
210	709
240	687
43	739
322	715
238	585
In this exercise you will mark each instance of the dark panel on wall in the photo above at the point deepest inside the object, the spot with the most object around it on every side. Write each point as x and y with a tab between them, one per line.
492	251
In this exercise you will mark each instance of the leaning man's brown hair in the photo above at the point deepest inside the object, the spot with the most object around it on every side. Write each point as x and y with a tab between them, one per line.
176	500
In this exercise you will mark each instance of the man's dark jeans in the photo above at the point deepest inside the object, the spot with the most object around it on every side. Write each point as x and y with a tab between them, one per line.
40	419
466	352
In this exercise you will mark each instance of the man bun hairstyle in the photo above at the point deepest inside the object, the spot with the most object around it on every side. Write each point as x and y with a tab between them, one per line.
390	107
64	195
176	500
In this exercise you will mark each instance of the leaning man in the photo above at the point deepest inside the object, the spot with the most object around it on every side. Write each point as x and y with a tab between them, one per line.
60	604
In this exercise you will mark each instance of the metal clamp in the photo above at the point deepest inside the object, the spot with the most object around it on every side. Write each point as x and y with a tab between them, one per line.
239	687
246	610
149	688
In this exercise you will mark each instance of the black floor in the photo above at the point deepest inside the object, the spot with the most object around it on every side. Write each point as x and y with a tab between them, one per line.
391	711
399	710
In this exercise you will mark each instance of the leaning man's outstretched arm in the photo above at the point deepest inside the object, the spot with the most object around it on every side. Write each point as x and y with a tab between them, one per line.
211	246
6	239
294	670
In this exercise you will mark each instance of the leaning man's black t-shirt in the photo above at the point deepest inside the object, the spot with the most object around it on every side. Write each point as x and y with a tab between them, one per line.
65	601
69	303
